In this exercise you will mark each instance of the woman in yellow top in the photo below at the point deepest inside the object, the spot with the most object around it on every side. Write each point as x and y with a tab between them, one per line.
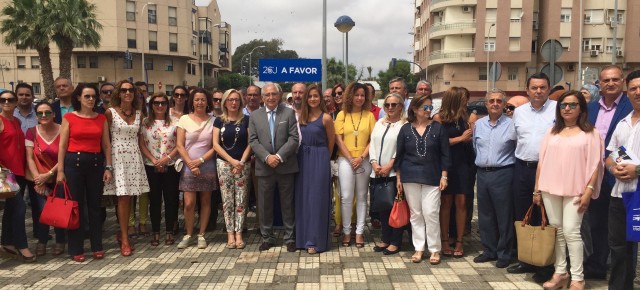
354	125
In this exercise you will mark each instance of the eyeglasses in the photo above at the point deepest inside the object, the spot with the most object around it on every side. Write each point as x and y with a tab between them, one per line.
160	103
8	100
494	101
232	100
572	105
42	114
216	100
178	95
130	90
392	105
427	108
271	95
106	92
90	97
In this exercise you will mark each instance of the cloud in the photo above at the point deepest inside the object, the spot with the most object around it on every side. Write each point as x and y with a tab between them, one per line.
381	31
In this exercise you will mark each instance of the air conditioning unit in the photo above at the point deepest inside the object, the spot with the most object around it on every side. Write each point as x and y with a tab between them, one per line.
587	19
571	67
595	52
467	9
613	22
620	53
102	79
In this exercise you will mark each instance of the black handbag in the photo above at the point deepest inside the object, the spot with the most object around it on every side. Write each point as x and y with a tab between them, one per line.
382	189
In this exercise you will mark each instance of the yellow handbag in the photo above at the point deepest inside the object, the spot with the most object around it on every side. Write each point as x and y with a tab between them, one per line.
536	244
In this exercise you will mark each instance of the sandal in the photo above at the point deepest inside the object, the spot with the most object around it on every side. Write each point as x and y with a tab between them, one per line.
41	249
417	257
143	230
58	249
155	241
359	245
168	240
435	258
446	252
231	245
337	231
458	253
240	245
312	251
346	240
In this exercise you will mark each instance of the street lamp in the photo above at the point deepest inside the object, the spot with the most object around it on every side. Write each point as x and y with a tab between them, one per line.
144	71
250	68
344	25
489	50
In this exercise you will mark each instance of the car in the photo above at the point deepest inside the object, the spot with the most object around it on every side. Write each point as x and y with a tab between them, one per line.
478	108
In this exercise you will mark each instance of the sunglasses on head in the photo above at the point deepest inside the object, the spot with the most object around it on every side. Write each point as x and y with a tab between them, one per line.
8	100
130	90
42	114
572	105
427	108
160	103
390	105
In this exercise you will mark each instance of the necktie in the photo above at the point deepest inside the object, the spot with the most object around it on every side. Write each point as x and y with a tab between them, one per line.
272	129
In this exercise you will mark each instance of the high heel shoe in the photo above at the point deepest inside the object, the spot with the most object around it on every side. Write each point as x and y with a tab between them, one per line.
557	281
98	255
360	244
458	253
577	285
346	240
155	240
79	258
125	249
447	252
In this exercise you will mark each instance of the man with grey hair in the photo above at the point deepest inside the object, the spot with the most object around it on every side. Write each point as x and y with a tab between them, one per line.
62	105
494	141
423	88
399	86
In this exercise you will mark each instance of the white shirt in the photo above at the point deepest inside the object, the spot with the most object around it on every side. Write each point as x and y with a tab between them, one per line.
390	143
626	134
530	126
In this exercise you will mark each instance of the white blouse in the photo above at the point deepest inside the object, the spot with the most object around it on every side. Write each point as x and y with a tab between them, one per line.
390	143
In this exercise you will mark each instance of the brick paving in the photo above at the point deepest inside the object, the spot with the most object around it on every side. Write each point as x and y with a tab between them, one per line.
166	267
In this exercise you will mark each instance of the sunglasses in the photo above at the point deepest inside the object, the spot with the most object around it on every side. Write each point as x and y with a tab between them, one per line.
90	97
509	108
8	100
216	100
106	92
178	95
427	108
130	90
572	105
160	103
338	93
42	114
390	105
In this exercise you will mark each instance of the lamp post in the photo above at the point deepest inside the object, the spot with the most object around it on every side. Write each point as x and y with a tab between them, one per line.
144	69
344	25
324	44
250	69
489	50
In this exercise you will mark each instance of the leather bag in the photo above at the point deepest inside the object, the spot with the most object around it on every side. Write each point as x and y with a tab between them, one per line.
536	244
383	191
399	216
61	212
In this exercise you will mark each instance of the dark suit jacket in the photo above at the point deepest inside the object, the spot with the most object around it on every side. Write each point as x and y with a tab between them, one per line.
57	112
286	140
623	109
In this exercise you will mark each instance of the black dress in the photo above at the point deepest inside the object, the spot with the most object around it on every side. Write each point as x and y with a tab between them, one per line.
462	172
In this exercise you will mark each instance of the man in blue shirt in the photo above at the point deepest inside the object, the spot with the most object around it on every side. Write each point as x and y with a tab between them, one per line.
494	142
25	111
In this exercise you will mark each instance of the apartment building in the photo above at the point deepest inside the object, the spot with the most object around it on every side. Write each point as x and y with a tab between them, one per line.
454	39
182	44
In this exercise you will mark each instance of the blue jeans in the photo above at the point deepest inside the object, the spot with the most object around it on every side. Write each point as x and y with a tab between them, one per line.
13	219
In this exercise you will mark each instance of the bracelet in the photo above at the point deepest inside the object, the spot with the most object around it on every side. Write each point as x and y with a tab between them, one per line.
372	161
241	162
51	173
444	177
537	192
201	160
591	187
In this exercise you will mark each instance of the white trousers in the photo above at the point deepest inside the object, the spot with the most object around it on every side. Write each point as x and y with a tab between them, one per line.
353	183
424	206
563	215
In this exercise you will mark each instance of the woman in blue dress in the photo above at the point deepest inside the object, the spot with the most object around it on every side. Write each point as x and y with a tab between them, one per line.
313	185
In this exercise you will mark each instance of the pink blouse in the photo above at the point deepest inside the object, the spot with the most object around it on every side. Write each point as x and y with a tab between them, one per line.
567	163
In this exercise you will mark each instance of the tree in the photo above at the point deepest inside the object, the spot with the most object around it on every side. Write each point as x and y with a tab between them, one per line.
73	24
232	81
23	25
402	69
272	49
335	72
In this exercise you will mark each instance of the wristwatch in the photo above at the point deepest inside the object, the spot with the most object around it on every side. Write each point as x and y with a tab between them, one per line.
108	167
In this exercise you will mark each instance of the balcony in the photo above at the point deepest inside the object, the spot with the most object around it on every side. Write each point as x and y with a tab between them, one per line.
205	36
451	56
441	29
437	5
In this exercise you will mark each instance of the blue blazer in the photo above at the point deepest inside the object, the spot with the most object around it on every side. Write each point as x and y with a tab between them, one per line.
623	109
57	112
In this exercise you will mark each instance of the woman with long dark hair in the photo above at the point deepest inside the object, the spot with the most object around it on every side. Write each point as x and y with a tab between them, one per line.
179	98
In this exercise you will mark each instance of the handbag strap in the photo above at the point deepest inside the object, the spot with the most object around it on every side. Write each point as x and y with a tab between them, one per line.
382	143
67	193
35	140
527	216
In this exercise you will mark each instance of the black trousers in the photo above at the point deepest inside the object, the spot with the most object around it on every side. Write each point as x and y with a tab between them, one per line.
164	186
84	172
13	219
389	234
623	268
598	221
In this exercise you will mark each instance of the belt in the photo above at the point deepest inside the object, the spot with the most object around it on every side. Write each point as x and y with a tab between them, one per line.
529	164
495	168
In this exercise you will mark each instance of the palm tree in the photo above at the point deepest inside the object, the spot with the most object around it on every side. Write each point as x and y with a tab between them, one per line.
23	27
74	24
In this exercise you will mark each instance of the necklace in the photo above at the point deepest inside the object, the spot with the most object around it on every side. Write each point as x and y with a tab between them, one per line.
235	138
355	129
421	140
129	115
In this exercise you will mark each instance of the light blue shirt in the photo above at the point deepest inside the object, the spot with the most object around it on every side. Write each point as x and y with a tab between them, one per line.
494	144
27	121
530	127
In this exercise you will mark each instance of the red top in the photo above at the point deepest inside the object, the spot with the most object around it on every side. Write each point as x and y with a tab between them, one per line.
45	152
13	154
85	134
376	111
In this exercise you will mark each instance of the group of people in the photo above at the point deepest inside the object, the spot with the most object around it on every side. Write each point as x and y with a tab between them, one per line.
113	144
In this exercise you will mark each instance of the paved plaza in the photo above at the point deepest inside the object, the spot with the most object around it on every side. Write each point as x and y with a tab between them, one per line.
166	267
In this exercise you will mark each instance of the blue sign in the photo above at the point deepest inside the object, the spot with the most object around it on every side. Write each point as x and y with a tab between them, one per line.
290	70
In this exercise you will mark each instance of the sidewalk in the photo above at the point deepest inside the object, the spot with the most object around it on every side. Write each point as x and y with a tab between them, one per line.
166	267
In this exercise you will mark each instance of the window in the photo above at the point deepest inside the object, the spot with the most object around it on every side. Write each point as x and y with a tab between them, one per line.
191	68
93	61
194	42
131	38
81	60
565	15
586	44
516	14
131	11
592	16
168	90
512	73
152	13
534	46
128	64
169	66
620	17
514	43
35	62
490	44
173	42
193	21
150	89
153	40
482	73
173	16
566	42
490	16
22	62
36	88
148	63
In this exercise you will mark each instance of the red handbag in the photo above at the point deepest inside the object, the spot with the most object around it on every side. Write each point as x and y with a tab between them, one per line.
61	212
399	216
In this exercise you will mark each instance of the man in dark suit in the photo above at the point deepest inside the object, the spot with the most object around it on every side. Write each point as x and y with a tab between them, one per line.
62	105
605	114
273	137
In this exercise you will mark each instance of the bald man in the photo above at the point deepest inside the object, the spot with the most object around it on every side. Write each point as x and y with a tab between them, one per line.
513	103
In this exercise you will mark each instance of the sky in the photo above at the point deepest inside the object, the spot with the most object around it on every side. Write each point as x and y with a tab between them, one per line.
381	31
